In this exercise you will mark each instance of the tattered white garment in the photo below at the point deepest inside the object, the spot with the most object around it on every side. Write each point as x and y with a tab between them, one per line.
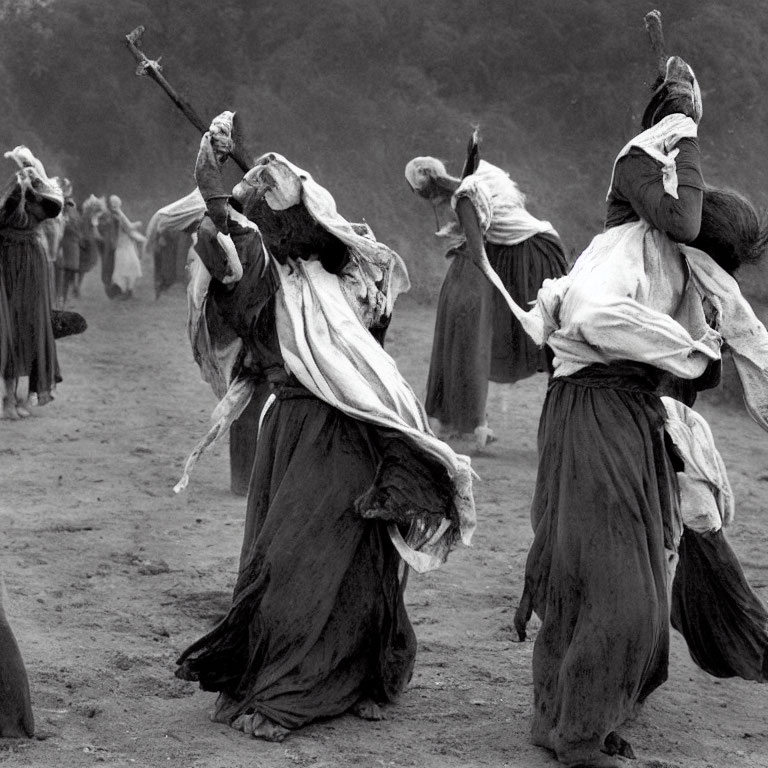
180	215
335	357
216	358
499	205
706	498
619	303
603	311
325	344
734	318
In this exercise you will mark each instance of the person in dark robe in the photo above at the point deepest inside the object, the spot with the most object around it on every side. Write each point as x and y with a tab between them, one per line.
28	362
348	481
109	232
477	338
17	720
68	259
635	310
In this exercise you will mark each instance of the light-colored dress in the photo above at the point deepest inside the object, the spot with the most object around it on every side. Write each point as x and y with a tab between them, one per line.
127	268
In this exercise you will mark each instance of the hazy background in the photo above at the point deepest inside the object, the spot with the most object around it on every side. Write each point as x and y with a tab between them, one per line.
352	89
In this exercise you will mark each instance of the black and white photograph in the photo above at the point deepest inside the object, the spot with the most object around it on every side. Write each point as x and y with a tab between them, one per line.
383	384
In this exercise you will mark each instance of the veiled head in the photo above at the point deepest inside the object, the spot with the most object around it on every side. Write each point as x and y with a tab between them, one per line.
272	180
677	91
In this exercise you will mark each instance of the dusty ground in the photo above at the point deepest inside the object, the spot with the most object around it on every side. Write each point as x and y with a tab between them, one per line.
110	575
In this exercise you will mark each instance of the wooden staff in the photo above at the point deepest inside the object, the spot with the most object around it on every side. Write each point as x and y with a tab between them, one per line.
656	36
151	68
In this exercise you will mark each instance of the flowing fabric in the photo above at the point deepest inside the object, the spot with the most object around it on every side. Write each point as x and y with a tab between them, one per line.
597	567
169	238
318	619
724	622
325	345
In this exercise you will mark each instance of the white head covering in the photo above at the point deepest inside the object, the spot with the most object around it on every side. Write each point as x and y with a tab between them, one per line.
421	169
286	184
32	176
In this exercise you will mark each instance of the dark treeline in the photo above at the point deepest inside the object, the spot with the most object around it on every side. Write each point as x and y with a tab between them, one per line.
352	89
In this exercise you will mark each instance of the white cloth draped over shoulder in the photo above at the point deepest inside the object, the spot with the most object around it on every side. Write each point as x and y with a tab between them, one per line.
619	302
500	206
180	215
659	142
634	294
322	325
334	356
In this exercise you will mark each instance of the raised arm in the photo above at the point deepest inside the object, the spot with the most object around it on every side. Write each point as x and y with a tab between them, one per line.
638	181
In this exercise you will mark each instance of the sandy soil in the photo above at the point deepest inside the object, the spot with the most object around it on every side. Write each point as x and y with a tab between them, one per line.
110	575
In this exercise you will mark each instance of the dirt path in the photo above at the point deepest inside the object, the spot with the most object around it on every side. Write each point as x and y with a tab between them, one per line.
110	575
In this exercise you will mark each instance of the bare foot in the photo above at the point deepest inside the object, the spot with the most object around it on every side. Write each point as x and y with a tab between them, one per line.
260	727
23	410
43	398
368	709
225	709
483	436
615	745
542	738
9	412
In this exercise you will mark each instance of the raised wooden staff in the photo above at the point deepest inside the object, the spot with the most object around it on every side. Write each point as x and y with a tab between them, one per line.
656	35
151	68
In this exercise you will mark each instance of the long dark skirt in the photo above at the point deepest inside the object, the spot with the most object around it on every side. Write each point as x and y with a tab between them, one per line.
457	385
317	619
243	435
725	624
522	268
27	346
603	510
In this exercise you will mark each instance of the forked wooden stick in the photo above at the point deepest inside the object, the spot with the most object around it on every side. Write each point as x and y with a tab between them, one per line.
152	69
656	36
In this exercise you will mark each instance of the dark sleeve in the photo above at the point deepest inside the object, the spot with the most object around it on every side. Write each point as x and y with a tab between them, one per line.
470	225
638	180
686	390
240	304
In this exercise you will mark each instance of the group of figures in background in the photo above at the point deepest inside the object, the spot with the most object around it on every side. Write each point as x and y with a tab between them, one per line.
47	245
79	238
